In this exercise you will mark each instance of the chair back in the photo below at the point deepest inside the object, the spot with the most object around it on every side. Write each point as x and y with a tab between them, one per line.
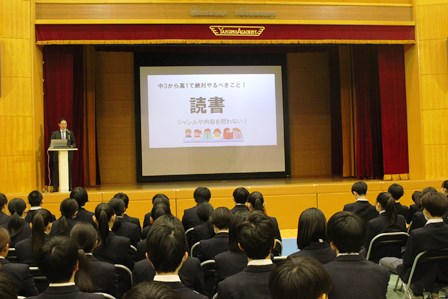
124	278
12	256
189	234
40	280
387	244
210	276
279	259
195	249
278	249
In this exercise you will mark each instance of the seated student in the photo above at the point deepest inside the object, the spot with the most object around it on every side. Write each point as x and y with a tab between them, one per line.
28	250
3	217
35	199
205	229
433	235
387	221
17	227
126	217
312	236
240	196
418	219
111	248
93	275
397	192
59	263
233	260
166	251
156	199
414	208
209	248
352	276
361	206
300	277
121	227
7	286
65	223
82	197
18	273
151	290
257	238
255	202
190	217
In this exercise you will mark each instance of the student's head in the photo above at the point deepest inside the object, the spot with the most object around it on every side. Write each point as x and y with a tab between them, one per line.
84	236
312	227
68	208
240	195
118	205
256	201
80	195
435	204
3	200
16	205
160	209
238	217
221	218
299	278
123	197
104	218
62	123
151	290
428	189
7	287
256	235
386	202
166	244
15	226
35	198
416	197
40	226
202	194
445	187
59	259
396	191
160	198
359	188
5	241
346	231
204	211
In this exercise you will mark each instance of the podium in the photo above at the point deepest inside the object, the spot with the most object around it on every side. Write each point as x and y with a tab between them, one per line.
63	166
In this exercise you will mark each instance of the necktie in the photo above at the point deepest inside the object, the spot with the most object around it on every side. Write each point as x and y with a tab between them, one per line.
63	134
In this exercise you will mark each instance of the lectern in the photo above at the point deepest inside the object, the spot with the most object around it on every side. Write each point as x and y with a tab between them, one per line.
63	166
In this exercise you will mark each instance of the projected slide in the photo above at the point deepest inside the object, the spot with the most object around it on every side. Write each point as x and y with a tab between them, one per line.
211	110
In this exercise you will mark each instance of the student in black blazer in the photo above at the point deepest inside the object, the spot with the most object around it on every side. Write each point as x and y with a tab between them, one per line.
121	227
35	199
352	276
361	206
158	198
17	227
63	226
82	197
205	229
190	217
19	273
126	217
414	208
3	217
240	196
58	262
312	236
256	237
397	192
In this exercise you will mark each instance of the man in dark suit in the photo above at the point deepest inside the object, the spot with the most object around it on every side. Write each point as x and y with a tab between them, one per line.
81	196
18	273
59	262
361	207
166	251
126	217
397	192
352	276
3	217
256	238
62	133
190	218
433	235
240	196
35	199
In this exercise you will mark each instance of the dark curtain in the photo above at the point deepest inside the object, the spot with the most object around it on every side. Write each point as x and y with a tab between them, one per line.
368	144
64	97
336	117
393	109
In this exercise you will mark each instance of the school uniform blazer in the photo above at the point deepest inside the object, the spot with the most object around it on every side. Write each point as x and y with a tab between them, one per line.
24	251
229	263
402	210
134	220
116	250
418	221
252	282
30	214
190	218
23	235
239	208
412	210
128	230
21	276
147	219
183	291
85	216
55	231
68	292
201	232
431	236
362	208
321	251
209	248
103	275
3	218
353	277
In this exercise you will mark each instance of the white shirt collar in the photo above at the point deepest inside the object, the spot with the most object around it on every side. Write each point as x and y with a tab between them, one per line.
62	284
381	212
35	208
362	199
348	253
437	220
260	262
167	278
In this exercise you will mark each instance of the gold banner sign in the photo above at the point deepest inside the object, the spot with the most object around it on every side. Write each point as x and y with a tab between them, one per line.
237	30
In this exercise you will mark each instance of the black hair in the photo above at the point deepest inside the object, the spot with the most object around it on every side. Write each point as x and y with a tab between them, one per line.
238	218
256	235
15	225
160	197
387	202
35	198
256	199
312	227
62	118
7	287
103	214
40	220
166	244
4	238
347	231
240	195
118	205
445	184
68	209
204	211
428	189
435	203
3	200
416	198
80	195
221	218
202	194
58	259
158	210
123	197
151	290
396	191
360	188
